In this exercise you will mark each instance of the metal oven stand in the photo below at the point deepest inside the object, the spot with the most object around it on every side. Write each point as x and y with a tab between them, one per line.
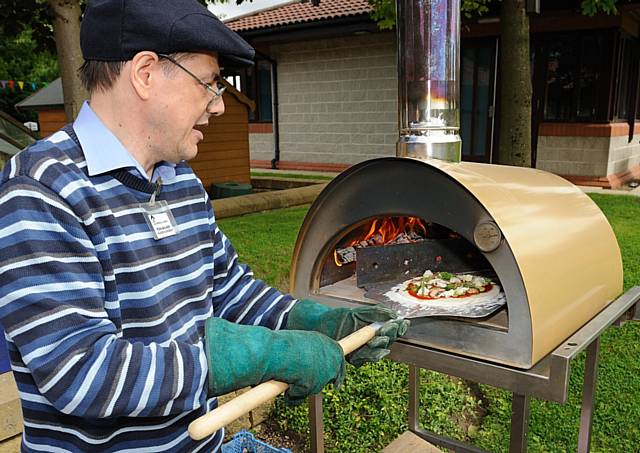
548	379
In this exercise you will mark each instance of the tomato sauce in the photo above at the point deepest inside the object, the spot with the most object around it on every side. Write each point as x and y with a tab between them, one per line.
413	290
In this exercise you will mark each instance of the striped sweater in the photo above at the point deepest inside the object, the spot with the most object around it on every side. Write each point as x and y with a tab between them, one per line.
104	324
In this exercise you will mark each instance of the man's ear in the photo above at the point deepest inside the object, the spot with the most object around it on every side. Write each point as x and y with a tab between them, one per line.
144	72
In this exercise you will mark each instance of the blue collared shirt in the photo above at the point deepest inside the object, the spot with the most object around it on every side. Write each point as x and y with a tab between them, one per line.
104	152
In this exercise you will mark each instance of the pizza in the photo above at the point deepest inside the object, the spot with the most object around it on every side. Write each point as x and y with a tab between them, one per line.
445	294
436	286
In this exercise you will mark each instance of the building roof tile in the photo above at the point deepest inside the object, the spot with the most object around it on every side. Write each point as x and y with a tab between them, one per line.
296	12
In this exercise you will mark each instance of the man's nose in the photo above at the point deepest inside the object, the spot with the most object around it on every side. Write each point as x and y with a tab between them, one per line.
216	108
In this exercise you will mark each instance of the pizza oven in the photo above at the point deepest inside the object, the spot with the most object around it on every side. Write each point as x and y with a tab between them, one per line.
538	237
550	253
546	244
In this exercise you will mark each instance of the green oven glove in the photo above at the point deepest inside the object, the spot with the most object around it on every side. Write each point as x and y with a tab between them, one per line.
337	323
239	356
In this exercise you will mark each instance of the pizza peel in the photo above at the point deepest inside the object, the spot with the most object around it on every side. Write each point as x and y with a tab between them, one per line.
212	421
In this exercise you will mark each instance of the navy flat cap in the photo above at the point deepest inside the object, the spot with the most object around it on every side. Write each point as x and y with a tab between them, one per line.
115	30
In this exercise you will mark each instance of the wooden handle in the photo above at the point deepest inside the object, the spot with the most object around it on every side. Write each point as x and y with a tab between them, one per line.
212	421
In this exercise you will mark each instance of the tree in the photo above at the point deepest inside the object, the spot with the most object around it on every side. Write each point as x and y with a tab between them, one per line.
18	15
23	61
28	53
55	25
515	85
515	108
66	29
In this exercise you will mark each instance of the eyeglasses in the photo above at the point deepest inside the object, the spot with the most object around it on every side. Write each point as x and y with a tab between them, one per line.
215	93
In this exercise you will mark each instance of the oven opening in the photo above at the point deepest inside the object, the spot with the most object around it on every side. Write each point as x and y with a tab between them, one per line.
381	252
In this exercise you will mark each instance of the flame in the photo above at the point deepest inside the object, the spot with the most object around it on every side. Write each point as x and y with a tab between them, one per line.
335	258
388	229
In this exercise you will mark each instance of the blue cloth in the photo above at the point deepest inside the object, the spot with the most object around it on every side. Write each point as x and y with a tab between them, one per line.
104	323
5	365
104	152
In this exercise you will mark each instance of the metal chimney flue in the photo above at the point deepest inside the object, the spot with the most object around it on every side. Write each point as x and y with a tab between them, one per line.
428	72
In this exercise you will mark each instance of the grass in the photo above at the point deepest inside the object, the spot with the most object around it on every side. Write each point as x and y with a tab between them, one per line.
265	242
293	176
370	409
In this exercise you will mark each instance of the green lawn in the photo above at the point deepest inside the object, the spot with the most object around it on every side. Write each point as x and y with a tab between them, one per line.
369	411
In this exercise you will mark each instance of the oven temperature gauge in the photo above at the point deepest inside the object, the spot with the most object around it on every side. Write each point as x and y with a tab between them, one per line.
487	236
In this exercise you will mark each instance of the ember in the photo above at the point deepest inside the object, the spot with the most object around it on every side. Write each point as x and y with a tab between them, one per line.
388	231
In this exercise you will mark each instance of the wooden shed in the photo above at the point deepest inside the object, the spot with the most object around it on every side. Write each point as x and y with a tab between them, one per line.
223	155
49	104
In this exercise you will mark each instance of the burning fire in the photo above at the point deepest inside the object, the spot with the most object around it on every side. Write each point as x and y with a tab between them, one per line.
390	230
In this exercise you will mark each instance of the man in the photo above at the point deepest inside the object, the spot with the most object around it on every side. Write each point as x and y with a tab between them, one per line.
125	308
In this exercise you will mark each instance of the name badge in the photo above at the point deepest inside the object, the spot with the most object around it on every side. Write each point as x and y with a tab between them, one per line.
160	220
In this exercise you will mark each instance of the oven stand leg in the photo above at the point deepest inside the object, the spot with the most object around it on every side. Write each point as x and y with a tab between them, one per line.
519	423
316	423
588	396
414	398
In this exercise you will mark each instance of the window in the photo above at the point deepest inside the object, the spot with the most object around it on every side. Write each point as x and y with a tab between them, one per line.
477	83
234	80
255	83
626	77
263	96
575	66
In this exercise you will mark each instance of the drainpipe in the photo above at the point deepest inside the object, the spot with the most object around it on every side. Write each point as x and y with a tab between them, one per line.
274	99
276	122
635	91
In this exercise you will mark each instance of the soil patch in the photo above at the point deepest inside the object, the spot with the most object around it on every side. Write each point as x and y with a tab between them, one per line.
269	433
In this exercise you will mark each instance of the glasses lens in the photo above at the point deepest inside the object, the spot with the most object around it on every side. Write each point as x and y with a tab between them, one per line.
219	88
212	97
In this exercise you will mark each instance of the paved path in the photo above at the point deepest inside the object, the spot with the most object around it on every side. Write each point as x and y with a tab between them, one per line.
587	189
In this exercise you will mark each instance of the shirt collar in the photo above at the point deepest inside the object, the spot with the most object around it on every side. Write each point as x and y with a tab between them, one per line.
104	152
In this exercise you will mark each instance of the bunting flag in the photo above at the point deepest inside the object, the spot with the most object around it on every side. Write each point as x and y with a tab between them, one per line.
15	84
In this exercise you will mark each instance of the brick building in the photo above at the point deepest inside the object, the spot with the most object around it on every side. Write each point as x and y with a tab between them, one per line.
325	84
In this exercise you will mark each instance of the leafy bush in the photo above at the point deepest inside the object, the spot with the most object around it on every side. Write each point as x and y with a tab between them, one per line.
370	409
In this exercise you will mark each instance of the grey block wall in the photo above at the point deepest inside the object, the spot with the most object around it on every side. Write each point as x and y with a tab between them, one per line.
261	146
623	154
338	100
575	156
588	156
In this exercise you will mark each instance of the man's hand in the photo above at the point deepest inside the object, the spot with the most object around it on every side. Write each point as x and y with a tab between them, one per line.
337	323
239	356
